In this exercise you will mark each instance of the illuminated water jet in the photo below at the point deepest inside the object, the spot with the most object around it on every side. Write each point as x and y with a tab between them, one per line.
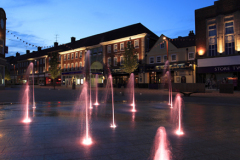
160	149
177	114
132	92
113	125
96	83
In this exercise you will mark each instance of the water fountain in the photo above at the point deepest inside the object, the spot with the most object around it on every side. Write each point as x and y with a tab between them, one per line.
96	83
86	97
160	149
132	92
177	113
113	125
168	74
26	98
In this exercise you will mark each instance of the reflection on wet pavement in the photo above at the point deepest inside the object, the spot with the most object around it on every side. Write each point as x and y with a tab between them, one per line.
56	131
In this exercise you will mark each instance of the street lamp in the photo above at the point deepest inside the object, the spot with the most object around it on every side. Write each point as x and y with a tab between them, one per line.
165	38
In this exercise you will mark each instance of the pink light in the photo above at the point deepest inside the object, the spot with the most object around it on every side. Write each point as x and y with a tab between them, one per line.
179	132
87	141
113	126
96	104
27	120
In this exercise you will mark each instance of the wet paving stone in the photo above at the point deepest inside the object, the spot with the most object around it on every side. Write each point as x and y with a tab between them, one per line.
56	132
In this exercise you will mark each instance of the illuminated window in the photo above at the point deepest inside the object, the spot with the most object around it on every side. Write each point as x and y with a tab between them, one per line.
109	48
212	40
136	43
158	59
151	60
80	65
121	60
76	66
229	28
72	66
76	55
115	47
72	55
121	46
68	67
80	54
229	38
115	61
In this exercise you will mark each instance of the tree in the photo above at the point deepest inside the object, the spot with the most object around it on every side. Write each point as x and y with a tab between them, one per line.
7	75
54	69
130	62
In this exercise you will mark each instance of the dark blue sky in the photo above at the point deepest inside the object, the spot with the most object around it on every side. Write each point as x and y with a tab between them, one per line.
38	21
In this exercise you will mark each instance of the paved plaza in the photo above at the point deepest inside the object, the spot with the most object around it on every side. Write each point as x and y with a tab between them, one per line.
211	125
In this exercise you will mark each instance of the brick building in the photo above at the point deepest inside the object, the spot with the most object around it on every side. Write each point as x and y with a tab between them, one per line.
3	48
218	43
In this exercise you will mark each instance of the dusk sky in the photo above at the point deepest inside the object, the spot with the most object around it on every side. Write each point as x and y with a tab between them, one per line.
38	21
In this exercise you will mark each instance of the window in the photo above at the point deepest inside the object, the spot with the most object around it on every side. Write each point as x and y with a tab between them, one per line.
136	44
68	56
40	70
72	55
76	66
174	57
121	60
76	55
151	60
158	59
109	48
68	66
212	31
115	47
64	57
229	39
121	46
162	45
109	61
72	66
191	56
80	54
229	48
229	28
80	65
212	40
100	50
59	58
115	61
165	58
64	67
95	51
40	61
137	54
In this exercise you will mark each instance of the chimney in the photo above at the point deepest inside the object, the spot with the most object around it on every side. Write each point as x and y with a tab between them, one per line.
39	48
55	44
27	51
73	39
17	54
191	33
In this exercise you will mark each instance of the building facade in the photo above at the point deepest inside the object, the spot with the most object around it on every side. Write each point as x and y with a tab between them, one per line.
3	48
218	43
181	55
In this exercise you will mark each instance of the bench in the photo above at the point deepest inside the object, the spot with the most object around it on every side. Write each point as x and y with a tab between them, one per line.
187	94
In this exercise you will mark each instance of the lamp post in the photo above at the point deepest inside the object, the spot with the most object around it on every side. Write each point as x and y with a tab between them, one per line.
165	38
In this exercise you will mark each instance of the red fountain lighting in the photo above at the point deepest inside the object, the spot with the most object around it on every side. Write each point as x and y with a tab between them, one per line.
27	119
96	83
179	130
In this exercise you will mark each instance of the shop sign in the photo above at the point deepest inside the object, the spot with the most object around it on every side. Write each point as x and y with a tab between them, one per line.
235	68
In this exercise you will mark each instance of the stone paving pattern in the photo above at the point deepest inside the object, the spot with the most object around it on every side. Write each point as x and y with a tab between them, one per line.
211	124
